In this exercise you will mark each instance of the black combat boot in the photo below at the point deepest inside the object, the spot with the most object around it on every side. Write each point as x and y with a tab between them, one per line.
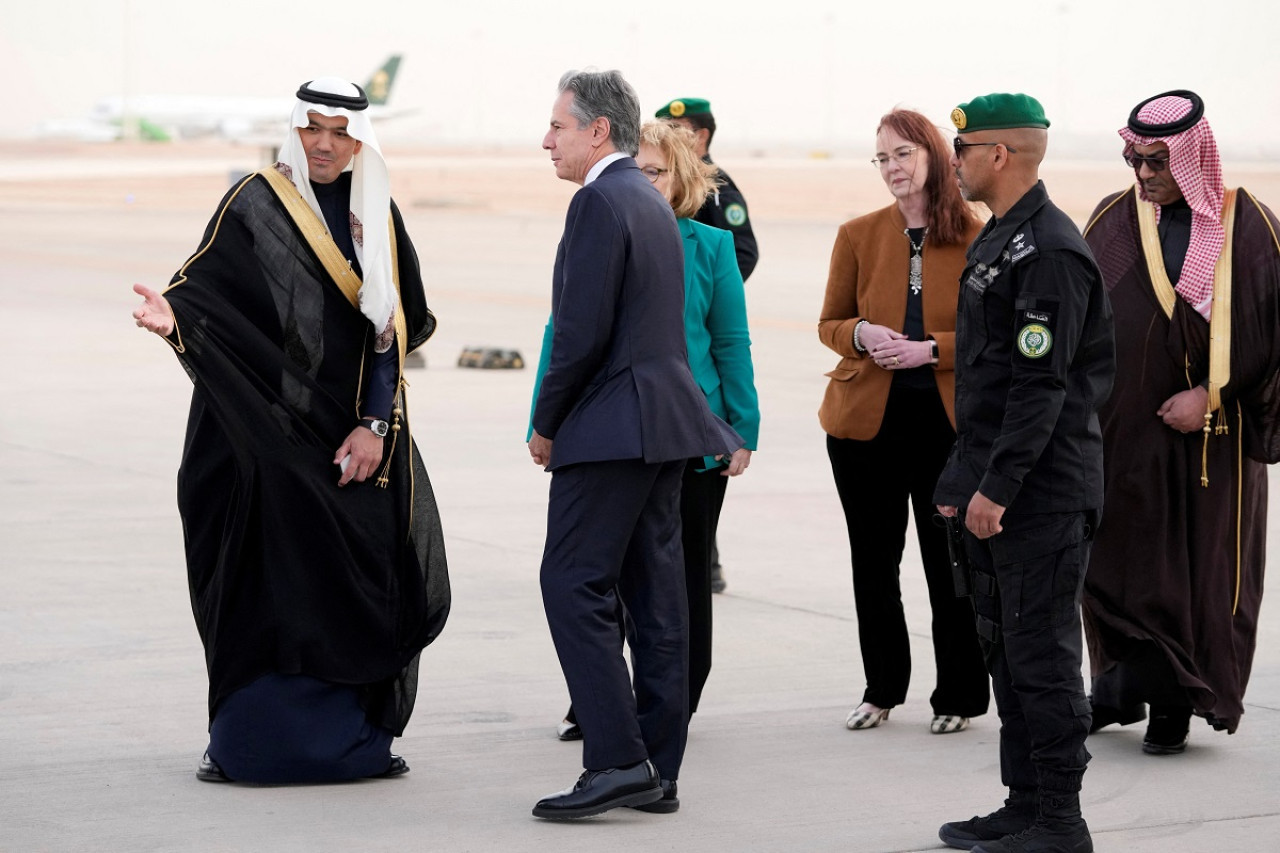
1058	828
1017	813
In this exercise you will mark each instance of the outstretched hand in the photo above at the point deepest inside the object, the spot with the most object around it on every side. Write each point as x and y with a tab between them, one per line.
154	314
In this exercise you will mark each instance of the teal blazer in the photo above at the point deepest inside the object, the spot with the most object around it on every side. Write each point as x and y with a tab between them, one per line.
715	327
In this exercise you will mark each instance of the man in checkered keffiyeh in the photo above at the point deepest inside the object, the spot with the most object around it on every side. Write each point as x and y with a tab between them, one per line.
1173	126
1174	585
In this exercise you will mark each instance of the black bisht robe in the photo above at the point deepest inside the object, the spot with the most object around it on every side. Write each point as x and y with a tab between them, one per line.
288	572
1164	567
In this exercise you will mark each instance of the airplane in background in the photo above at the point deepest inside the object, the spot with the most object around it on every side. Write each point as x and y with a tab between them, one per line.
243	119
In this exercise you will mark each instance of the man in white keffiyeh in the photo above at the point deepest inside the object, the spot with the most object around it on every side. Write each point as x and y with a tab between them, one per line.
314	552
1174	586
312	153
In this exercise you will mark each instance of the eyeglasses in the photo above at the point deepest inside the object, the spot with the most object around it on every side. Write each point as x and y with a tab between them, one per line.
653	173
1137	161
960	146
901	157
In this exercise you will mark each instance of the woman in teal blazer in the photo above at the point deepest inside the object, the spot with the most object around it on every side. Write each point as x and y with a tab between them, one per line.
719	345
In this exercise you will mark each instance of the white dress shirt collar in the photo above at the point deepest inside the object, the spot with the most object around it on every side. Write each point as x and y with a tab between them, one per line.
601	165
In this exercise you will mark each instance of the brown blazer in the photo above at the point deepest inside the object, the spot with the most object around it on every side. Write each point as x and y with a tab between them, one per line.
868	281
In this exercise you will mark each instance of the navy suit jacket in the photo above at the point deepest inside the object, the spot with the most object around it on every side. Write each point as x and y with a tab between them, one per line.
618	384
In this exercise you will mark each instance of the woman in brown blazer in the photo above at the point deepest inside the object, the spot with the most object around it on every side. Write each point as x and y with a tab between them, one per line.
890	314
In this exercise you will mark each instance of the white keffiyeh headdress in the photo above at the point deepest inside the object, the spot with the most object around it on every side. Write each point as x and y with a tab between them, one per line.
370	193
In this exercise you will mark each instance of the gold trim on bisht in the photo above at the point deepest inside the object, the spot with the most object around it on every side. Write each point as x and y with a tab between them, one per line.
181	277
1219	312
321	242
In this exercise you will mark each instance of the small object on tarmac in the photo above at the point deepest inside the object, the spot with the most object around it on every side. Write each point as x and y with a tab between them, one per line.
488	358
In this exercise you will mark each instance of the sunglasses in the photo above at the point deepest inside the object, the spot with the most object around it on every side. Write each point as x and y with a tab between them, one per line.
959	146
1137	161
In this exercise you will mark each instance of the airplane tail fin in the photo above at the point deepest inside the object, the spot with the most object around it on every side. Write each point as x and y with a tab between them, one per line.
378	88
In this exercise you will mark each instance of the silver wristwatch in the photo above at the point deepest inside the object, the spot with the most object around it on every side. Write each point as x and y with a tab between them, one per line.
379	427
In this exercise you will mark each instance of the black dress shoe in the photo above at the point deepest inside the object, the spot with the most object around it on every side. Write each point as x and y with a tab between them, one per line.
597	791
397	767
209	771
1168	731
669	802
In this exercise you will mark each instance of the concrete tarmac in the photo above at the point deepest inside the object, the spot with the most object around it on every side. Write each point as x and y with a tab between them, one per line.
102	684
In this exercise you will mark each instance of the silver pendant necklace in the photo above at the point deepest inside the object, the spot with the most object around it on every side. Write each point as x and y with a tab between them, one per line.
917	261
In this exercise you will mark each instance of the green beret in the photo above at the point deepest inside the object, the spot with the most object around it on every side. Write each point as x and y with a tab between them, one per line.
997	112
681	107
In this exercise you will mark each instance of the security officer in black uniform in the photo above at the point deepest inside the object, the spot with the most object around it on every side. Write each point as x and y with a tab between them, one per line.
724	208
1035	357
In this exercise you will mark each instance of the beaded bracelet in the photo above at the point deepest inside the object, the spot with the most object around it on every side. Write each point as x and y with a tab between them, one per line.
857	337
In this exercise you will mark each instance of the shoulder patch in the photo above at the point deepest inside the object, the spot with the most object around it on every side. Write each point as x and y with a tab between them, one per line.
1035	340
736	215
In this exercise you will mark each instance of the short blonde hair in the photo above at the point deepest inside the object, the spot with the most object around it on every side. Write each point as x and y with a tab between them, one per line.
691	178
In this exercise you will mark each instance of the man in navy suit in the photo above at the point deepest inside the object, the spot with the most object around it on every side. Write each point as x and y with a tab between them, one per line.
617	417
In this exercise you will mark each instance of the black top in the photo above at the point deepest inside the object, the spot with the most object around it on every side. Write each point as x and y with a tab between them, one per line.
335	202
913	325
726	208
1175	236
1035	358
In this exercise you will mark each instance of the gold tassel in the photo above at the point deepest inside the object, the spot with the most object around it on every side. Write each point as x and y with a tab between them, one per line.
385	477
1204	453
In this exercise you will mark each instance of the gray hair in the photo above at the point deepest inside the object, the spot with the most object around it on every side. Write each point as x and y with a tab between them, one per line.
605	94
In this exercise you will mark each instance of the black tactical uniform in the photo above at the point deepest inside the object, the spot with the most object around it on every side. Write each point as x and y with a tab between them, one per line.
726	208
1035	358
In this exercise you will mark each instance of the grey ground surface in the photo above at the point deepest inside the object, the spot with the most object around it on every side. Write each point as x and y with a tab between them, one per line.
102	685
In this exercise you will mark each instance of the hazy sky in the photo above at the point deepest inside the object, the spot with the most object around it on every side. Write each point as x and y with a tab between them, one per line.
806	74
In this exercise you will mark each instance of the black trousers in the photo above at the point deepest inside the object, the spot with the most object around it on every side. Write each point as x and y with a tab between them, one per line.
701	499
1027	582
877	480
613	532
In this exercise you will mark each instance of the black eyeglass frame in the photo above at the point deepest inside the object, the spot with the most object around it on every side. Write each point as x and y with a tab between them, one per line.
958	146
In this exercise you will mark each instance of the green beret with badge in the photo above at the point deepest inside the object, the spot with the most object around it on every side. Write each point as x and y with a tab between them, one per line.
998	112
681	107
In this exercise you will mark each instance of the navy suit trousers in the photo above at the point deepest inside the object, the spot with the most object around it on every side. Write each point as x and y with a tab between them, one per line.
613	531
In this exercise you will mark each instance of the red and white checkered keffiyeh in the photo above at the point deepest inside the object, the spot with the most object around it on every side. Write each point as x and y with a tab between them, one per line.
1197	169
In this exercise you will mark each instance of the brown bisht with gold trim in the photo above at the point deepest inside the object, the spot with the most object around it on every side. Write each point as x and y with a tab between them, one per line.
288	572
1179	556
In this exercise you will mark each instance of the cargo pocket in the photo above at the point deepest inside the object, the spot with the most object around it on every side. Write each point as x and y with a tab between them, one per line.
1044	567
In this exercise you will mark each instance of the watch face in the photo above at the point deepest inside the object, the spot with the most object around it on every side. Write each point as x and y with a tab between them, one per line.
378	427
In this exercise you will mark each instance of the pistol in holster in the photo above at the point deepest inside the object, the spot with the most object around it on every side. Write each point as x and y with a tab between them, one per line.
960	568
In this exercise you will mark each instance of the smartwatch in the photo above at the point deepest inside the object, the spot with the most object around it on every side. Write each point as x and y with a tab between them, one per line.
377	425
